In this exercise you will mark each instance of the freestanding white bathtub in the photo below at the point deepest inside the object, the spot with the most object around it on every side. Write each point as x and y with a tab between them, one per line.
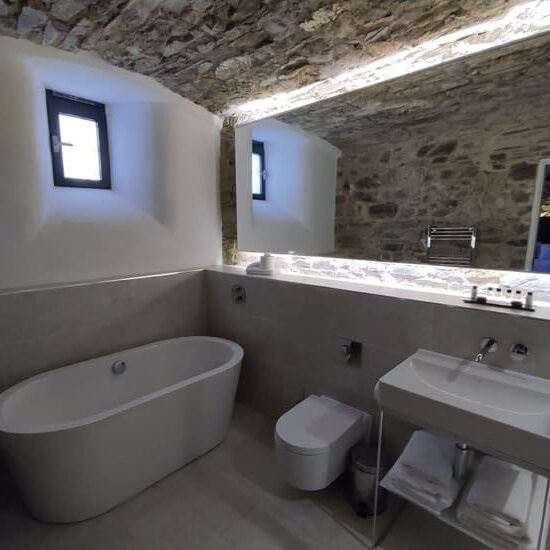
81	439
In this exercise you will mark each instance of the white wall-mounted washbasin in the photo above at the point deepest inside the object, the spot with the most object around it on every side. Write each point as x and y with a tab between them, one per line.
496	410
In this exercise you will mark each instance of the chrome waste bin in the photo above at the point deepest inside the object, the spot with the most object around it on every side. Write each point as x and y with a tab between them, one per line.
362	480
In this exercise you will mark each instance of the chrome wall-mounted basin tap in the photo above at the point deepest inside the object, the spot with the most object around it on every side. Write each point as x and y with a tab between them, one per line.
488	345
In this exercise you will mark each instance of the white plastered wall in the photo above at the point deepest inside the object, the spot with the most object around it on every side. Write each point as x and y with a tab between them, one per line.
162	213
298	213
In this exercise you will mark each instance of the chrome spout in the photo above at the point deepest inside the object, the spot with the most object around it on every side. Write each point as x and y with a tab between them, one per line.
489	345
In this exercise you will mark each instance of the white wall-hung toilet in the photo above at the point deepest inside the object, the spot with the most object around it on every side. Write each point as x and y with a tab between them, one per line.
312	441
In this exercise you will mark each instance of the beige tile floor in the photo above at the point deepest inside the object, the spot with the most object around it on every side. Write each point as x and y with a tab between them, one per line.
231	498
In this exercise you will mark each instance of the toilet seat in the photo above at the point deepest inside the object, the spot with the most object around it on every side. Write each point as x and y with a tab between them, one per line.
316	425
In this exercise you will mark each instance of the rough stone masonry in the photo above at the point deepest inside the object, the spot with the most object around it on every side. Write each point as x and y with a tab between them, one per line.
221	52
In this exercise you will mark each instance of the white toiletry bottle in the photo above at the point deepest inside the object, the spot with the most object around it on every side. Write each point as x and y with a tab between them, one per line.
516	301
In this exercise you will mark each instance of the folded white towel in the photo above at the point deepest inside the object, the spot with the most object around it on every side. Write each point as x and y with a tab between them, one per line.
429	458
398	481
501	493
424	472
505	501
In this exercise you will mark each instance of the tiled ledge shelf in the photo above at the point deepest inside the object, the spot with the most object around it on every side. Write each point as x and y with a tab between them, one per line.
446	286
424	283
116	279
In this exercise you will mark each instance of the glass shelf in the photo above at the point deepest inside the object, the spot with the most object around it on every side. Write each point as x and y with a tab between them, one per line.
449	515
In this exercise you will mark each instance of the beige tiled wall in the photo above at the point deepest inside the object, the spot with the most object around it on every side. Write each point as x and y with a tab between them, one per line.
49	328
292	333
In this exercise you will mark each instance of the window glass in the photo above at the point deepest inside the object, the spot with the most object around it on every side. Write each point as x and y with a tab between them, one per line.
258	170
78	141
80	147
256	174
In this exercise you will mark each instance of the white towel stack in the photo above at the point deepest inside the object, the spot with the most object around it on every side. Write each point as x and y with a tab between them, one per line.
505	501
424	472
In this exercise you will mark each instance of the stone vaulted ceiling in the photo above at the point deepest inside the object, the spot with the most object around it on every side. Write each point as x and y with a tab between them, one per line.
220	53
485	88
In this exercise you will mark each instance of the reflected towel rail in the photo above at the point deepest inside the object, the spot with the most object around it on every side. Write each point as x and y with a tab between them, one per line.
453	254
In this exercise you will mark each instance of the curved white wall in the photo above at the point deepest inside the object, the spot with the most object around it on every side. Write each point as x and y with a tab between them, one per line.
298	213
162	213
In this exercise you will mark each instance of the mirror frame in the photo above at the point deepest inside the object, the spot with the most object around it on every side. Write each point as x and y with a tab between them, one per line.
535	215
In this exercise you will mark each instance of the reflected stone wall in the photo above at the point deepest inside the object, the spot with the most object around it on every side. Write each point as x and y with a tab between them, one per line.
454	145
445	175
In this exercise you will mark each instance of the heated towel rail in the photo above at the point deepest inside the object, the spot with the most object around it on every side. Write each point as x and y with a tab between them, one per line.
451	246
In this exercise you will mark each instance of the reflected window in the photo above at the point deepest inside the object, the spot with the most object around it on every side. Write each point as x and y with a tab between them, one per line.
78	141
258	171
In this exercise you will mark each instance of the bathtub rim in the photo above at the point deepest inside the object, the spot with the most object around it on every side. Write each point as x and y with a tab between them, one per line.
233	361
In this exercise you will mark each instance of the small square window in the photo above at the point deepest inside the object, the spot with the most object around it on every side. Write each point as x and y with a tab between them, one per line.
258	171
78	142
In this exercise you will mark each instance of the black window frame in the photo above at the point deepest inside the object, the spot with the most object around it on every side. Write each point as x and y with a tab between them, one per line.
62	103
258	148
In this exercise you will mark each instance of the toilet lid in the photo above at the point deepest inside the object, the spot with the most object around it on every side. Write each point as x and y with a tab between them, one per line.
315	424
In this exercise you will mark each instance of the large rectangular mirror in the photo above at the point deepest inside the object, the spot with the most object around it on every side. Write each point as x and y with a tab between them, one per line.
449	165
